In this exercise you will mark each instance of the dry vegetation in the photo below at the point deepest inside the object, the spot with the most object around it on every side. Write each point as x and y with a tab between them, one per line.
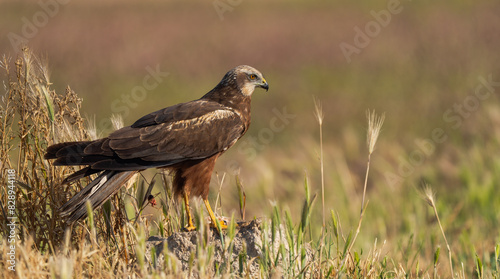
33	117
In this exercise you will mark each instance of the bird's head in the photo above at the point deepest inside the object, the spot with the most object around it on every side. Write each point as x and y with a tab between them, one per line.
246	79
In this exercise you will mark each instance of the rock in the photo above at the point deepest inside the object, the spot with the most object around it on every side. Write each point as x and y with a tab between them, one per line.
204	252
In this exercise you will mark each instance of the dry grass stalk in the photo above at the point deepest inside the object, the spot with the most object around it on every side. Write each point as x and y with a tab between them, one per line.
374	126
375	123
318	112
429	197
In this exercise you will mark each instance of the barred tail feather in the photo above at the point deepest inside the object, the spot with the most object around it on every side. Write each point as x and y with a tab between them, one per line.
97	192
79	175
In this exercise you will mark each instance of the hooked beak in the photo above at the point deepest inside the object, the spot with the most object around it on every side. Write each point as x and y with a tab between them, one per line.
264	84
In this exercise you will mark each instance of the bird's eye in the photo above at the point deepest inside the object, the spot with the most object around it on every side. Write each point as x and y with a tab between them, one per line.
253	76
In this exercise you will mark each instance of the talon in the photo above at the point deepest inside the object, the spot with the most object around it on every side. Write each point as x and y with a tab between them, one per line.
189	228
222	224
213	218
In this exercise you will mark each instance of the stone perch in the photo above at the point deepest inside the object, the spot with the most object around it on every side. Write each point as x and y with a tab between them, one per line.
248	237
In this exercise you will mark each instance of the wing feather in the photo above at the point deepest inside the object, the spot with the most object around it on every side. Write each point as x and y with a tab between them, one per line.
195	138
188	131
178	112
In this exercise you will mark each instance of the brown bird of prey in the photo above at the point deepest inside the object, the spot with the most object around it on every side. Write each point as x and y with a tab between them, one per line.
186	138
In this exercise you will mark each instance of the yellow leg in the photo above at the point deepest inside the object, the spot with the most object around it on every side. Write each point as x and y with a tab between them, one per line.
190	226
212	216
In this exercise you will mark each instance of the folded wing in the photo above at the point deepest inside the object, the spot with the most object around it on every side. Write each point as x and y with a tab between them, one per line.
188	131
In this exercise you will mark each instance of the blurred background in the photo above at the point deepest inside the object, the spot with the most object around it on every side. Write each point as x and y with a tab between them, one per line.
431	67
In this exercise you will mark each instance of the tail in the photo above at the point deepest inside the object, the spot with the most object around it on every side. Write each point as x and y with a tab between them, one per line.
97	192
100	189
77	153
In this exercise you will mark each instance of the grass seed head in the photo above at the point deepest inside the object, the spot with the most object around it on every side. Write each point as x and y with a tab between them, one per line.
117	121
318	111
428	195
375	123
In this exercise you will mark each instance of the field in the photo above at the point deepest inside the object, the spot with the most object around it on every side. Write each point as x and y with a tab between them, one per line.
432	191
